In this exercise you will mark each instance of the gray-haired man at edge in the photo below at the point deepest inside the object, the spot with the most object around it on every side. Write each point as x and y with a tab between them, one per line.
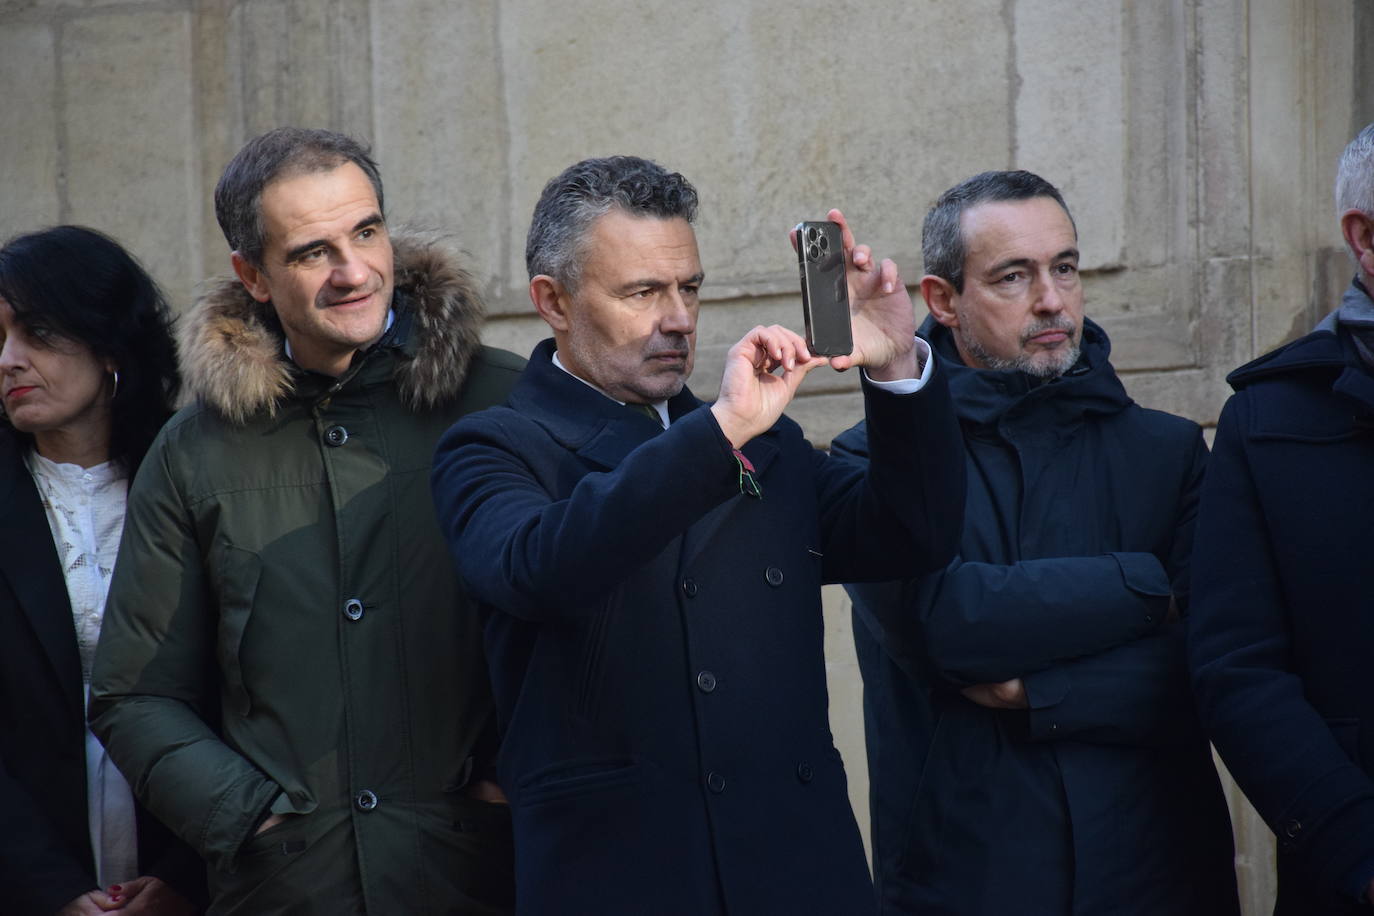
1279	638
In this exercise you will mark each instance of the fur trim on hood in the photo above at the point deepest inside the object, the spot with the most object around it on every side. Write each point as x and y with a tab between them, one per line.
231	350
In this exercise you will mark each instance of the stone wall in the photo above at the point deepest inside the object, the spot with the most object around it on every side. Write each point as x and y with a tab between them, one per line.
1195	142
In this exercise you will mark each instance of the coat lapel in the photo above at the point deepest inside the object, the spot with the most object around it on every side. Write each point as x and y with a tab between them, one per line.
602	432
577	416
29	564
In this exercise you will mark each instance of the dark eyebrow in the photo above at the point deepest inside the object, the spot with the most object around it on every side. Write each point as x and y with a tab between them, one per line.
1023	263
650	283
373	219
1003	266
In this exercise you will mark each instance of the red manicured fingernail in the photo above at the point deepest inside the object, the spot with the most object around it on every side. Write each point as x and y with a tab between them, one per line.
115	888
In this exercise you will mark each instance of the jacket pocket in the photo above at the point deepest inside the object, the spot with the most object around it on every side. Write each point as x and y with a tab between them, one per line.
474	859
236	574
576	778
287	838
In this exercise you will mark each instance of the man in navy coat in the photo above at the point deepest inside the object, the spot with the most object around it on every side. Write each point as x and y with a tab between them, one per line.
1032	742
652	567
1282	630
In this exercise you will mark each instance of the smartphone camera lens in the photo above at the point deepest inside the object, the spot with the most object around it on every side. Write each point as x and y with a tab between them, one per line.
825	243
812	233
813	251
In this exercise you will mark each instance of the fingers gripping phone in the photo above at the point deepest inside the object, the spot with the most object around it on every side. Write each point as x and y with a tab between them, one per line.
825	294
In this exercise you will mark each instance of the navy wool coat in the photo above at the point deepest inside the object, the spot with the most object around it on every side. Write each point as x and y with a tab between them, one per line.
655	638
1282	629
1101	797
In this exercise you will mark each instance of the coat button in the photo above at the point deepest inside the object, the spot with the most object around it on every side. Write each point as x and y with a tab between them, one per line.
715	782
804	772
689	587
706	681
335	436
774	576
1292	828
353	609
365	800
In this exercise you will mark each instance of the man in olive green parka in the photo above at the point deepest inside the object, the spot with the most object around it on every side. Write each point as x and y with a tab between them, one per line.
288	674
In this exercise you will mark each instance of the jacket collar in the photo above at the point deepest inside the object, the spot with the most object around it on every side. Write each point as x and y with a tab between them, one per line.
985	396
28	562
231	346
1321	350
582	419
600	430
1328	352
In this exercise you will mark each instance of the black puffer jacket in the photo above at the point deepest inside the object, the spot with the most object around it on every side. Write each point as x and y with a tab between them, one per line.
1101	798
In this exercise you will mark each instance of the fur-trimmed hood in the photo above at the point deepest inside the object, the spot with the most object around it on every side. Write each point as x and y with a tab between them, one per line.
231	346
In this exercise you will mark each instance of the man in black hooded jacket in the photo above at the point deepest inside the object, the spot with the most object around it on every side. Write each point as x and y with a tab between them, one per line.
1032	741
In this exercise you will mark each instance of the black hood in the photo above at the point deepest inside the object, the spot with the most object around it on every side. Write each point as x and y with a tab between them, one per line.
985	396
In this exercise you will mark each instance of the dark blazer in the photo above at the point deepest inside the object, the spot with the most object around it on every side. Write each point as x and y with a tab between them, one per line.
655	638
1101	797
45	849
1281	633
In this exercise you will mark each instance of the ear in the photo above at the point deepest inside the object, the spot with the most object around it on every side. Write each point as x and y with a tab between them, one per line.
253	279
551	302
1358	229
939	295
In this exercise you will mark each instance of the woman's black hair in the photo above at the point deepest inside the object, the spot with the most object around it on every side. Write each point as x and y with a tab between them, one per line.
82	285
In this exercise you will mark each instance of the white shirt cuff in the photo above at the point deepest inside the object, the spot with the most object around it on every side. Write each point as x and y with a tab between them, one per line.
926	362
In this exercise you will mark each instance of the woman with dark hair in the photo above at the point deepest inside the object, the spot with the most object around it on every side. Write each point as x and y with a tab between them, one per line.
87	377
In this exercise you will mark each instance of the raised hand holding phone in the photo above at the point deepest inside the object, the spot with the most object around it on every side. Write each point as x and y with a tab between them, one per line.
882	320
824	288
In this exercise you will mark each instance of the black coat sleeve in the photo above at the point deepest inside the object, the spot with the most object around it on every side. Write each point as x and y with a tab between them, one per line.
39	873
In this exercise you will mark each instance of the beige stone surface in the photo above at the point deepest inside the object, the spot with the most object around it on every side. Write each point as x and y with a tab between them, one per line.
305	62
775	113
29	157
1068	114
441	133
130	145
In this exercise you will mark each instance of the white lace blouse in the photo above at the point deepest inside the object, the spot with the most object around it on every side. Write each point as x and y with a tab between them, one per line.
85	509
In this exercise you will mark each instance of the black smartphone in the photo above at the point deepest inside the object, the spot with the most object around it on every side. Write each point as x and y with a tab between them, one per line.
825	294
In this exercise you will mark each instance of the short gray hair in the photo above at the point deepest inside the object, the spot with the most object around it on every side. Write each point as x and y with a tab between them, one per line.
280	153
588	190
1355	174
943	247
